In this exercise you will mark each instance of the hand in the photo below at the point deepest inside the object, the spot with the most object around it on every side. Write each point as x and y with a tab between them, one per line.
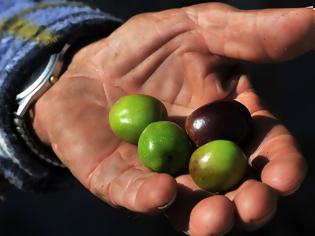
185	57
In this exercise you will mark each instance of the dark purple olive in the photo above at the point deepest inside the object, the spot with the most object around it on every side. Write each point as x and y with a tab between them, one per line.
228	120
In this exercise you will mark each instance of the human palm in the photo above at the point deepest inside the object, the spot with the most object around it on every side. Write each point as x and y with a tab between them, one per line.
184	57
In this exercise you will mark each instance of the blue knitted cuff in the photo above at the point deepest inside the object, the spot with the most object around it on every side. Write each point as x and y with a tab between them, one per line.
29	32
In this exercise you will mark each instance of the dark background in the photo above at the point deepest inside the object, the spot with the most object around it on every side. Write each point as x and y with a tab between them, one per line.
288	90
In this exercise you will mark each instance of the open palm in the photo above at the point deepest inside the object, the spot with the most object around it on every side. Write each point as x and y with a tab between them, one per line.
186	58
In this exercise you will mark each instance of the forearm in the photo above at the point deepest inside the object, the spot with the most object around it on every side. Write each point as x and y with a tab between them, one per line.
30	32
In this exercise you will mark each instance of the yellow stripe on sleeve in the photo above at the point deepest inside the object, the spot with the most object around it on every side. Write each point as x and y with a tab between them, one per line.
27	30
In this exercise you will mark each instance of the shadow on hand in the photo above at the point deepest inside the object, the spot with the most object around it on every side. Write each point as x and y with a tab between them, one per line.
262	125
180	120
179	212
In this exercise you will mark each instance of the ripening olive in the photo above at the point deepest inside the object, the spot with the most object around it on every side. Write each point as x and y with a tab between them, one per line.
218	165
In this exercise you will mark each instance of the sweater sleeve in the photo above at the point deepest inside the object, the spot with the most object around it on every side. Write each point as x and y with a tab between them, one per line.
29	31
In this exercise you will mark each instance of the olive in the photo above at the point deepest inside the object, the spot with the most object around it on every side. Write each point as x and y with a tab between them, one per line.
228	120
131	114
218	165
164	147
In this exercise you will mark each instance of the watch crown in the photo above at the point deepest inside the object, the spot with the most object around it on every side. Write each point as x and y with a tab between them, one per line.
53	79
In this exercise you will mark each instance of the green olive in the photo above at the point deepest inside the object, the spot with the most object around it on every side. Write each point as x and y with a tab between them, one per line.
164	147
130	115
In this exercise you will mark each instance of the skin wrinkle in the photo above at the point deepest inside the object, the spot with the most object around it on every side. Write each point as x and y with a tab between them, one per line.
204	88
185	82
218	87
174	99
190	99
226	34
157	28
95	101
108	187
142	179
177	92
200	76
148	85
263	40
180	106
108	99
75	71
98	165
178	50
152	48
111	185
96	104
137	193
184	110
222	27
155	66
192	15
94	60
134	179
195	18
180	13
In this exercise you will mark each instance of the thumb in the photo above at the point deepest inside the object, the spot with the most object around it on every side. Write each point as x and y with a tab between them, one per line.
258	35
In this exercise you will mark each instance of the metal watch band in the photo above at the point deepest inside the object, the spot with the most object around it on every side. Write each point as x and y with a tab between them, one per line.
23	126
26	100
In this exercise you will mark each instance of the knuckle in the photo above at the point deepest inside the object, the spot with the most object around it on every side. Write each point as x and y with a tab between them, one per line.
140	17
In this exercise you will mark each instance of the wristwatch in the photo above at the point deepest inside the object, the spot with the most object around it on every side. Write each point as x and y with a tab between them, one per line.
36	85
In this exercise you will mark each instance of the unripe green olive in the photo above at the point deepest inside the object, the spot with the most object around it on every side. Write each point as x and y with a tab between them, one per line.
130	115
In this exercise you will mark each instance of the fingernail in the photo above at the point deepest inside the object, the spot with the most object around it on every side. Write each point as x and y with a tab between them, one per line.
186	232
167	205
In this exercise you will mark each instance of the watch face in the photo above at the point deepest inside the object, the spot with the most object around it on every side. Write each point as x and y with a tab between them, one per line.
37	84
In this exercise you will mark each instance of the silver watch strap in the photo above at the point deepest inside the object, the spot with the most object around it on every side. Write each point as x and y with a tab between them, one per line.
23	126
26	100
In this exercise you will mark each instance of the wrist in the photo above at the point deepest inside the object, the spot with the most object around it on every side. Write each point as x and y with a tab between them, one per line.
24	52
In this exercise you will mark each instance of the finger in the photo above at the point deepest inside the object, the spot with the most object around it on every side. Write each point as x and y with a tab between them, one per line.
212	216
199	212
285	168
188	196
255	204
122	181
272	150
260	35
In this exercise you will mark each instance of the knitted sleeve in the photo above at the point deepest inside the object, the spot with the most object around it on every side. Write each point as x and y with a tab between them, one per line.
29	31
